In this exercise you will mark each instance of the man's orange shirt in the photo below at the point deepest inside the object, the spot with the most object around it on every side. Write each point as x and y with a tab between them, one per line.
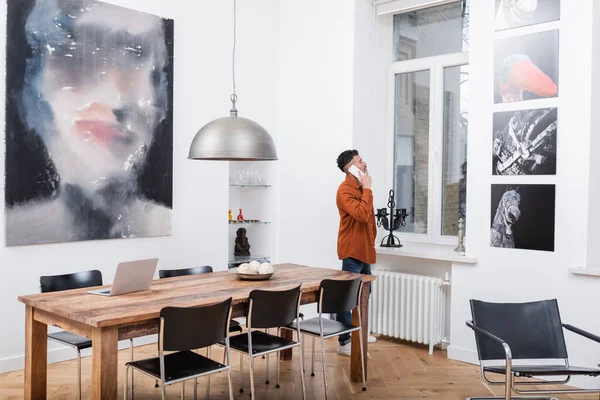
357	233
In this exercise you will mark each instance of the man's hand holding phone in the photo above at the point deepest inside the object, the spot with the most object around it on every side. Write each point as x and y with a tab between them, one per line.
365	179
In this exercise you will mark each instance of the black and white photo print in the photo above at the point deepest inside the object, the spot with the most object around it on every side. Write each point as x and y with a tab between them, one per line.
523	217
524	142
516	13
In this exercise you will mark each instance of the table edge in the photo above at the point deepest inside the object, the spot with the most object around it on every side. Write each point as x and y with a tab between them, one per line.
115	322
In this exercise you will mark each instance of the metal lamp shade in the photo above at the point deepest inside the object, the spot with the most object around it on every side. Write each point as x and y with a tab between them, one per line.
233	138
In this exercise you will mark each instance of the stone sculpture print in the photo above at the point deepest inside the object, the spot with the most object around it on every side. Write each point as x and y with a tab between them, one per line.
523	216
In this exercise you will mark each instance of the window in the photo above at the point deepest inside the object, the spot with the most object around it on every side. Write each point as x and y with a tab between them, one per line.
428	117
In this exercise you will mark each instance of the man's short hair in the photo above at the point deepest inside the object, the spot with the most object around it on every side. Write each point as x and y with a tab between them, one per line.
345	157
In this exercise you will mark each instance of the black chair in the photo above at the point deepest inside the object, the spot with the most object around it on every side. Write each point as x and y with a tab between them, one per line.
183	329
269	309
234	326
77	280
508	332
335	296
170	273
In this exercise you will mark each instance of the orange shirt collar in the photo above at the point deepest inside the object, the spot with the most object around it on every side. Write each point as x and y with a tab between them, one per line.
353	181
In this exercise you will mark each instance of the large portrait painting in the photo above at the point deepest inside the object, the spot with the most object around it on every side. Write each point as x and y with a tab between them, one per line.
89	122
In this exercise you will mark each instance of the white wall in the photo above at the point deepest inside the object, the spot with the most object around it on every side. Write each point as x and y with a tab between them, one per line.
520	275
366	98
315	121
593	252
514	275
203	44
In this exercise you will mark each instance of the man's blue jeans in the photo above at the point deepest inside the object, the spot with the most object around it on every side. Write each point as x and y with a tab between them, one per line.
351	265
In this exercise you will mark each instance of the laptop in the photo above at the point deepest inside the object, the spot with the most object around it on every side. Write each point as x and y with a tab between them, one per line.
131	276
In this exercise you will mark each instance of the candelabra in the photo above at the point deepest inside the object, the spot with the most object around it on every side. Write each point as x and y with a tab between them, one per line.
395	221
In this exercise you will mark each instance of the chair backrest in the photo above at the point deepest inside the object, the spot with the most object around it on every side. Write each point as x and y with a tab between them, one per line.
273	308
189	328
169	273
77	280
338	295
532	330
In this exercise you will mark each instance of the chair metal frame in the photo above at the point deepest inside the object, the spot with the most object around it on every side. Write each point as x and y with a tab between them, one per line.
79	360
266	353
511	385
200	270
323	337
265	357
161	356
71	345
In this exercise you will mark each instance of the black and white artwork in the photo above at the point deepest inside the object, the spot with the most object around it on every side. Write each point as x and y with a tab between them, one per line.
526	67
517	13
523	217
89	114
525	142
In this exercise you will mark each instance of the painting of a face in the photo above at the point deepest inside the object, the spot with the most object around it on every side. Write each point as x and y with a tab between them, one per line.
95	95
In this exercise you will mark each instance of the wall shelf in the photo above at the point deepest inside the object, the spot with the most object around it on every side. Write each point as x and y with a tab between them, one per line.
249	190
248	185
250	223
243	259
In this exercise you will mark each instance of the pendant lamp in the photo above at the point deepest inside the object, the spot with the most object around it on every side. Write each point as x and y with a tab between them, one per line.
233	138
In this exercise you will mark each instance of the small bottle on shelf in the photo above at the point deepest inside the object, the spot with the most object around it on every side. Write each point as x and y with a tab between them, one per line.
240	216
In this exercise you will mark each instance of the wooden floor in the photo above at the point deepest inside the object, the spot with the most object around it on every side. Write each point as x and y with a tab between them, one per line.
397	370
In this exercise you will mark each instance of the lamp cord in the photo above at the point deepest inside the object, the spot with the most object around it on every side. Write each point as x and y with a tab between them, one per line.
234	96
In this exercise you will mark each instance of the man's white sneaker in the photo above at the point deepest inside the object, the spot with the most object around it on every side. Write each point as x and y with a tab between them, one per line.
372	339
344	350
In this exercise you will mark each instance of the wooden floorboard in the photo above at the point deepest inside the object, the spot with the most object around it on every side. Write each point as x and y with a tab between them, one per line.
397	370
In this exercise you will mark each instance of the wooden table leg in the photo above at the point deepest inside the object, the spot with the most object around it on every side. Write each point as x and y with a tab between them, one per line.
355	367
286	354
104	363
36	356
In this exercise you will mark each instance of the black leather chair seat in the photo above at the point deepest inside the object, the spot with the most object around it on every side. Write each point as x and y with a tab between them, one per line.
71	339
235	326
177	365
330	327
544	370
261	342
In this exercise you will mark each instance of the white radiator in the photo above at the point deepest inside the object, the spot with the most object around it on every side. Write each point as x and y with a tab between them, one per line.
408	306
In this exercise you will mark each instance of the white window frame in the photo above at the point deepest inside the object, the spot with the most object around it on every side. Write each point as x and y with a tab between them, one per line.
435	65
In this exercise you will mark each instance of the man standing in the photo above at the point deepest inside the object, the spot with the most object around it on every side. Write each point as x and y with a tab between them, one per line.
357	231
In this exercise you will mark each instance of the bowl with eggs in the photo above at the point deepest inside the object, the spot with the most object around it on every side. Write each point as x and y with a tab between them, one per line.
254	271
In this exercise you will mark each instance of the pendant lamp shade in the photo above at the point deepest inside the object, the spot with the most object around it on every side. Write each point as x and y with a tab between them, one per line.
233	138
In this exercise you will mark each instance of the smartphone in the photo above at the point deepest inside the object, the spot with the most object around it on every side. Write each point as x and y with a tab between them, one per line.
354	171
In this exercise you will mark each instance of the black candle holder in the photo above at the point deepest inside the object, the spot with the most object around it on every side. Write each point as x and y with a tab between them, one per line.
395	221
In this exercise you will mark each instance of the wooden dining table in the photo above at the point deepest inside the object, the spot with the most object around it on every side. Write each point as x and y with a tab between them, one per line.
106	320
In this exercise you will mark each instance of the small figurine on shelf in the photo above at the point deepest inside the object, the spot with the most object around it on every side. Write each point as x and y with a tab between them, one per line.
242	246
230	215
240	216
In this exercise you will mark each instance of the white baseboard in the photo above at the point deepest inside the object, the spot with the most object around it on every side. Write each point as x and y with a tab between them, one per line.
60	354
462	354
